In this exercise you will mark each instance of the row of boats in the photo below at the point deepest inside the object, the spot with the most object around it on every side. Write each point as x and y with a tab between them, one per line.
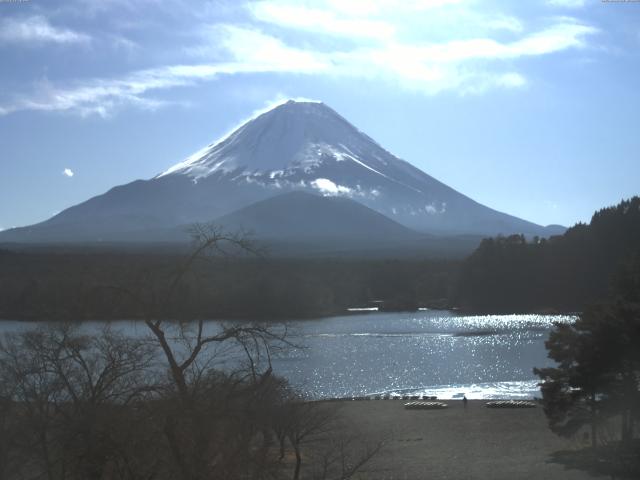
427	402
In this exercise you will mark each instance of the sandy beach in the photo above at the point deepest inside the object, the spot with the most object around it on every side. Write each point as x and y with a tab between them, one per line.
454	443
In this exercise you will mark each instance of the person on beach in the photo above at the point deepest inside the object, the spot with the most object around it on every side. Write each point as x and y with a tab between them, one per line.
464	401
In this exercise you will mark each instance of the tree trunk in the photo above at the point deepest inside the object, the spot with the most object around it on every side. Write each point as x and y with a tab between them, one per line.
44	444
627	426
296	473
176	371
281	439
594	439
174	447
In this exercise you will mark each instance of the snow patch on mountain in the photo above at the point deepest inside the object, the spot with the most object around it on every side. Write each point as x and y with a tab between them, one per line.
327	187
351	156
433	209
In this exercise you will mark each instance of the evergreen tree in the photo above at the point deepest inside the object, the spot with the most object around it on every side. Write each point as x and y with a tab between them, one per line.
598	371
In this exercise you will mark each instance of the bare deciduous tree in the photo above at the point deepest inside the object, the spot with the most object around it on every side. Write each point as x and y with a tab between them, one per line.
67	393
109	406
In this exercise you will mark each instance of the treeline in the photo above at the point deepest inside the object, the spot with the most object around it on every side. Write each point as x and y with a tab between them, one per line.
563	273
98	285
504	274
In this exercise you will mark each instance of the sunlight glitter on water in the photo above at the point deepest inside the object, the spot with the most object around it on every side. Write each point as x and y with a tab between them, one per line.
523	390
433	352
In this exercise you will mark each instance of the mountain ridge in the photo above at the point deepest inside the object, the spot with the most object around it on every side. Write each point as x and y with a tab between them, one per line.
296	146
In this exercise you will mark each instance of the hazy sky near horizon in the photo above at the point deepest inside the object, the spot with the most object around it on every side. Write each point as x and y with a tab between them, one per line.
528	107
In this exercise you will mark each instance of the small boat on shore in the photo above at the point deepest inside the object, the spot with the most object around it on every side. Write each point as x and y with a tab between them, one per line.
425	405
511	404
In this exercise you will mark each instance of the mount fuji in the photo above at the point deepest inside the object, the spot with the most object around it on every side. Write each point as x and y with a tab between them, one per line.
295	147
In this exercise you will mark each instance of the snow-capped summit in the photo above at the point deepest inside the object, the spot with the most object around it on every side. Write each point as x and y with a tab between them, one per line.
292	135
307	145
296	146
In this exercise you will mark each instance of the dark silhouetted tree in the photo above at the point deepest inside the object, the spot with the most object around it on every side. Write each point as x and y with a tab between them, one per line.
598	371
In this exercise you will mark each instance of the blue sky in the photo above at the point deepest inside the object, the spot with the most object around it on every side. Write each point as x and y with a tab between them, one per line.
529	107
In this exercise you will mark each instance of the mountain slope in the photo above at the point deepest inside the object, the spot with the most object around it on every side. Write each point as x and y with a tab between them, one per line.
303	216
300	224
297	146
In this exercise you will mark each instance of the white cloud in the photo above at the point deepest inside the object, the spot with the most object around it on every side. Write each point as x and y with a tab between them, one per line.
463	62
553	39
511	80
381	20
327	187
67	172
460	62
558	37
37	29
477	83
261	52
566	3
250	51
366	7
102	96
427	67
504	22
320	20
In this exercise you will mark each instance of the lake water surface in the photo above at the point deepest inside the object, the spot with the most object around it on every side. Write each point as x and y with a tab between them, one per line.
428	352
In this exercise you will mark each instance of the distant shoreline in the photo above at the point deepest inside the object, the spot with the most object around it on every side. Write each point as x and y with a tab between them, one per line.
354	311
337	313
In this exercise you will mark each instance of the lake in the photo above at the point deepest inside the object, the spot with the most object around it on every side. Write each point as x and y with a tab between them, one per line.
431	352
